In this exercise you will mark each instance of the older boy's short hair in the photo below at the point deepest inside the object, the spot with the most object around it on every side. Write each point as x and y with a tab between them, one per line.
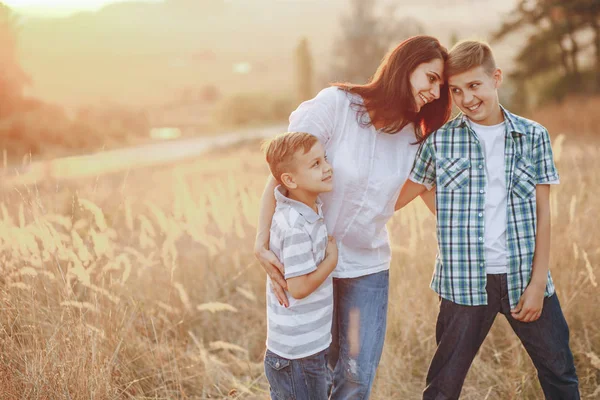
469	54
280	151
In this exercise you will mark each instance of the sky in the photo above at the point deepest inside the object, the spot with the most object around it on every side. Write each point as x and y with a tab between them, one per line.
58	7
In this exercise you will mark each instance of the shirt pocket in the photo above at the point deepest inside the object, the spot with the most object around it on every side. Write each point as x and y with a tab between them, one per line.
523	178
453	173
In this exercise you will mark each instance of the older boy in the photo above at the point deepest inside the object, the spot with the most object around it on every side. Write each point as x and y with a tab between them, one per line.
299	335
492	171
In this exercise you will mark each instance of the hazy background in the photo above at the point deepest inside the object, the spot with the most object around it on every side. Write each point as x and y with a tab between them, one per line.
125	277
142	53
93	75
102	74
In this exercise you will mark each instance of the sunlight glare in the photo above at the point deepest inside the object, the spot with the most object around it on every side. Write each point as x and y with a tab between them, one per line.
50	7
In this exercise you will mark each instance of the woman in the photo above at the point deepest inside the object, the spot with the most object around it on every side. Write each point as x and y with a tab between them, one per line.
369	133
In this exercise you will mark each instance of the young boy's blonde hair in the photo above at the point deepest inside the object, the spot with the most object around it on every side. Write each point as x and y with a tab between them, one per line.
469	54
280	151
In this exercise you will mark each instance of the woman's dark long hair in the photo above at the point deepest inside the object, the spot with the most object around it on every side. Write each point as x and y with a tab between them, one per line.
388	97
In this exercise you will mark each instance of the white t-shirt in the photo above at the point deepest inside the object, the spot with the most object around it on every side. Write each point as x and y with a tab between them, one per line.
369	168
492	139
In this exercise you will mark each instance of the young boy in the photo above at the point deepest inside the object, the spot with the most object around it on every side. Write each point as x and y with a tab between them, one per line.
492	172
299	335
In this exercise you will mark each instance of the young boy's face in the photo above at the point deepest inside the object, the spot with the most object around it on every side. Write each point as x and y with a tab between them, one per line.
475	93
311	171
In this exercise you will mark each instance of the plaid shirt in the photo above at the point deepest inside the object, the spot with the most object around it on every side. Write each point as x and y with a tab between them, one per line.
452	160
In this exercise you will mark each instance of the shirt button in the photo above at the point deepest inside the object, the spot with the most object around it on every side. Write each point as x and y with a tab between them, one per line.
481	191
480	239
481	264
277	364
480	214
480	166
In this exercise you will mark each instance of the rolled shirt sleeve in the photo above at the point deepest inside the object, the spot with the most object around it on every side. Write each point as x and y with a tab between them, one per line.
423	170
296	254
543	159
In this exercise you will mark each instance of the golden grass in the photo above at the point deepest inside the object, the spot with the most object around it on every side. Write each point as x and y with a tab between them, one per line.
143	285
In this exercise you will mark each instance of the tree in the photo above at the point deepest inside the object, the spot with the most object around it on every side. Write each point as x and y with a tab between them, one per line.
588	12
304	71
12	77
366	37
554	44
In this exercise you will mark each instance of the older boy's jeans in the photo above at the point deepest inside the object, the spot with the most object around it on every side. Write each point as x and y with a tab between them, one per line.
299	379
461	330
359	322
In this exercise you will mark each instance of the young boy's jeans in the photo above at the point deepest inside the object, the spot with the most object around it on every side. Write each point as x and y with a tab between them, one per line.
301	379
461	330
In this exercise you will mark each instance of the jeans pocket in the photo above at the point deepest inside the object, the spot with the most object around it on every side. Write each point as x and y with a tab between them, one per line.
316	363
279	374
316	376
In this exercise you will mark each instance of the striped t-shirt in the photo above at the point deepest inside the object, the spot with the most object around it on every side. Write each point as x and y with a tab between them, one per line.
299	239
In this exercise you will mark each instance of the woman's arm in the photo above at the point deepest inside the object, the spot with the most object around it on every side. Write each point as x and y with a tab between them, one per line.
428	198
317	117
409	191
267	259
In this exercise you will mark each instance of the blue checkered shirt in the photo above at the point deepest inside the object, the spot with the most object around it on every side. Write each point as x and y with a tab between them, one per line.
452	160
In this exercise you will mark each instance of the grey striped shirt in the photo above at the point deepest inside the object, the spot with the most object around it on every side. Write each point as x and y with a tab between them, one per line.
299	239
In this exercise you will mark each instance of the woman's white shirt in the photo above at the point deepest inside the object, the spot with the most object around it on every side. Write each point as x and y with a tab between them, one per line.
369	168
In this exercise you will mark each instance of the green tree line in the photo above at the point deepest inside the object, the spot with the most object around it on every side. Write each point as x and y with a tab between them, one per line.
561	50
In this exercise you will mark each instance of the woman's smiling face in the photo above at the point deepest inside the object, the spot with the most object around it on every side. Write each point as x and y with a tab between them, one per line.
425	82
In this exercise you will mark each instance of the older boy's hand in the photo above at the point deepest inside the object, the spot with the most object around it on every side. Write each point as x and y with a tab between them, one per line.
530	305
274	269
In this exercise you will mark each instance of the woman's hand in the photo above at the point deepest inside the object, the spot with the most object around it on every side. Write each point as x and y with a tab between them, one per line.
274	269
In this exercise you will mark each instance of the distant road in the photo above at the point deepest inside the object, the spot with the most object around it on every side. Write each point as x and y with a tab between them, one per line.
126	158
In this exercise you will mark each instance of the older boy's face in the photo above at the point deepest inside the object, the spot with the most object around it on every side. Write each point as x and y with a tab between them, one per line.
312	172
475	93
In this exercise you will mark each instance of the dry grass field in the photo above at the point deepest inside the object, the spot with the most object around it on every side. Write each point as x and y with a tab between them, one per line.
143	285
